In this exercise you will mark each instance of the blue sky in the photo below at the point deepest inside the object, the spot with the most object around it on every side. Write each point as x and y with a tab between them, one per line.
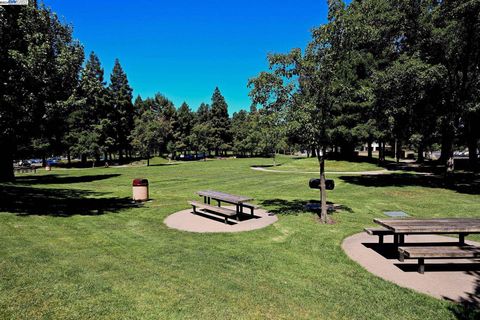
184	49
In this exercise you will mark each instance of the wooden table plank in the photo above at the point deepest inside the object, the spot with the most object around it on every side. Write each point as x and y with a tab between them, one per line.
447	225
217	195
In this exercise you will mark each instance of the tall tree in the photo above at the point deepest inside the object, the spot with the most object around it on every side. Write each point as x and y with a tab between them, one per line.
220	122
120	94
185	122
88	129
39	63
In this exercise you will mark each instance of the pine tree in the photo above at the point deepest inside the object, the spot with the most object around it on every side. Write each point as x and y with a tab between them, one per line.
120	99
89	127
220	122
185	122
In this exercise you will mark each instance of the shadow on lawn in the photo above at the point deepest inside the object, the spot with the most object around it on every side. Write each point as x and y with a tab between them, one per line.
462	183
26	201
466	308
297	206
61	179
469	308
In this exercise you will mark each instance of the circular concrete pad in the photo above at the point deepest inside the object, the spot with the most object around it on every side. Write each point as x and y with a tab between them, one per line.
452	279
187	221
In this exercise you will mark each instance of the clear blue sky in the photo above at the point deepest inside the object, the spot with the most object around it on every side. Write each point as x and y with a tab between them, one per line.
184	49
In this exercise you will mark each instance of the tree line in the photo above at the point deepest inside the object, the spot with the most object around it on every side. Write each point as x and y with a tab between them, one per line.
398	72
403	73
53	102
395	72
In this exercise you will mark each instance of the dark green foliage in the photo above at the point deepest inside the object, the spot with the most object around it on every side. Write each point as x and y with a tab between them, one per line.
220	122
120	100
39	64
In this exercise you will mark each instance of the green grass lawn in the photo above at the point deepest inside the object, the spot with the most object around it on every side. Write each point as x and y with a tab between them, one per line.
72	247
300	164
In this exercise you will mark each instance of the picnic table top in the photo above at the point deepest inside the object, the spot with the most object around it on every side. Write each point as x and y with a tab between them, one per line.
437	225
217	195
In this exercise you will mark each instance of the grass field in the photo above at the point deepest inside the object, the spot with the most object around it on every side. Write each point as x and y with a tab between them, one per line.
300	164
73	247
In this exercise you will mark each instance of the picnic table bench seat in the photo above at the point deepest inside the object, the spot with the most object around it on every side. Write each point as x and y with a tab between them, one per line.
380	232
250	206
25	169
225	212
437	252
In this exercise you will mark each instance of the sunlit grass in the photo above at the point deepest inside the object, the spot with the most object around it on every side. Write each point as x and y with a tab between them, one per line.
127	264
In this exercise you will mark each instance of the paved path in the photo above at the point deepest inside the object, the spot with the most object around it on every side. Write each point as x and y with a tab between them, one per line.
375	172
186	221
327	172
445	279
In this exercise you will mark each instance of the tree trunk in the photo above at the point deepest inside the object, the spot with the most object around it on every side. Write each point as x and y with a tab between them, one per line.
381	151
447	145
84	159
472	153
398	150
370	151
69	158
323	191
420	151
6	162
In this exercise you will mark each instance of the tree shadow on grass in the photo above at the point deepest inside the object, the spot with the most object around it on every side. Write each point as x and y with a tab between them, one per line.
266	165
297	206
469	308
27	201
465	309
462	183
61	179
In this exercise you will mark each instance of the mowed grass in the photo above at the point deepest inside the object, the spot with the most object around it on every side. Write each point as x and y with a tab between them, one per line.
124	263
301	164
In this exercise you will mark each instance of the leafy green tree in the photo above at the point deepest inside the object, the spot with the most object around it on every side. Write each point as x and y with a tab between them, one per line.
455	44
269	91
148	134
39	63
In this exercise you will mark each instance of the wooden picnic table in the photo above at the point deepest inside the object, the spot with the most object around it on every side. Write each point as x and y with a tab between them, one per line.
238	201
402	227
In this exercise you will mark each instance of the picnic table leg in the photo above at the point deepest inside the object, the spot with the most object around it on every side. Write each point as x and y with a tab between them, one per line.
461	238
208	199
237	209
219	203
401	238
380	238
421	265
395	239
204	199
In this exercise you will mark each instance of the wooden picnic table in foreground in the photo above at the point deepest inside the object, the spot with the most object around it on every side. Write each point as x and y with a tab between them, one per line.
402	227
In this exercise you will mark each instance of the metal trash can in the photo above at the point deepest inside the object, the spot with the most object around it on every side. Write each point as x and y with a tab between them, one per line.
140	190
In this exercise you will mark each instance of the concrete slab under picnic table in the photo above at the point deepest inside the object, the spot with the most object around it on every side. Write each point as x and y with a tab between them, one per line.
185	220
452	279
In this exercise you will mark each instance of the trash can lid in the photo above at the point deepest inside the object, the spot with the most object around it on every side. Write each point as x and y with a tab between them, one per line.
140	182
